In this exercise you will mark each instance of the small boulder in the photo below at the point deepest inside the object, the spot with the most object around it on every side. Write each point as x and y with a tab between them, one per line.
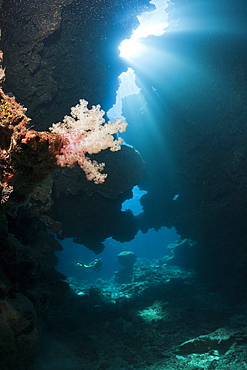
126	259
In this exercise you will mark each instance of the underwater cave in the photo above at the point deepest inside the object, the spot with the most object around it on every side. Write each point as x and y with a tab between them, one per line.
123	183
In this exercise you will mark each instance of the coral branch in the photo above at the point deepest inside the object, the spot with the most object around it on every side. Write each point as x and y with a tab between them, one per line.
28	156
85	131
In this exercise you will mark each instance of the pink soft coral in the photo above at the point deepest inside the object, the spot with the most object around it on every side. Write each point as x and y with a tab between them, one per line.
85	131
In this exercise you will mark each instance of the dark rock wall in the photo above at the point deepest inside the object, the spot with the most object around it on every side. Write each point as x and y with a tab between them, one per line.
56	53
63	51
91	213
200	151
29	285
60	52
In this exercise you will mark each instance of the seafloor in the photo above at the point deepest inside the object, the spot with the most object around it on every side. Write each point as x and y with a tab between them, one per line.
164	318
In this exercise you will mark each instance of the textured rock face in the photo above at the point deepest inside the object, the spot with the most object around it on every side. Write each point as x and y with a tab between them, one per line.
28	286
26	25
200	152
18	323
53	63
62	51
90	213
55	53
58	52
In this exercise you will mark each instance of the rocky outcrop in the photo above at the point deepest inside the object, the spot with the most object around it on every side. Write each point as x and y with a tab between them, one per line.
29	285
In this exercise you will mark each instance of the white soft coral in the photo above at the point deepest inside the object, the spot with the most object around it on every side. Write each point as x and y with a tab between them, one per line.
86	131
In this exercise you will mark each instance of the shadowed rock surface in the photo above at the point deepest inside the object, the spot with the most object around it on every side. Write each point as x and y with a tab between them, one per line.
58	52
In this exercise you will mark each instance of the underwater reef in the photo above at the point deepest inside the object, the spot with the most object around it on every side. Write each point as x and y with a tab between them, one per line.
163	319
28	278
31	184
184	311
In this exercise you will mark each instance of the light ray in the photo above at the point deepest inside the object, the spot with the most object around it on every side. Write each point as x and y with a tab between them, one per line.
153	23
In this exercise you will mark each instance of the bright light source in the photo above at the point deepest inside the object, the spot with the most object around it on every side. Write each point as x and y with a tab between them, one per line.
129	48
150	23
133	49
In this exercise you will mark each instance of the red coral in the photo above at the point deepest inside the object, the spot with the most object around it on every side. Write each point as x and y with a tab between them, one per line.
31	139
26	156
7	178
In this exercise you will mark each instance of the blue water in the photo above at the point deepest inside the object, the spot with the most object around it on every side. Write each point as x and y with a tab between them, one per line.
152	245
187	64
